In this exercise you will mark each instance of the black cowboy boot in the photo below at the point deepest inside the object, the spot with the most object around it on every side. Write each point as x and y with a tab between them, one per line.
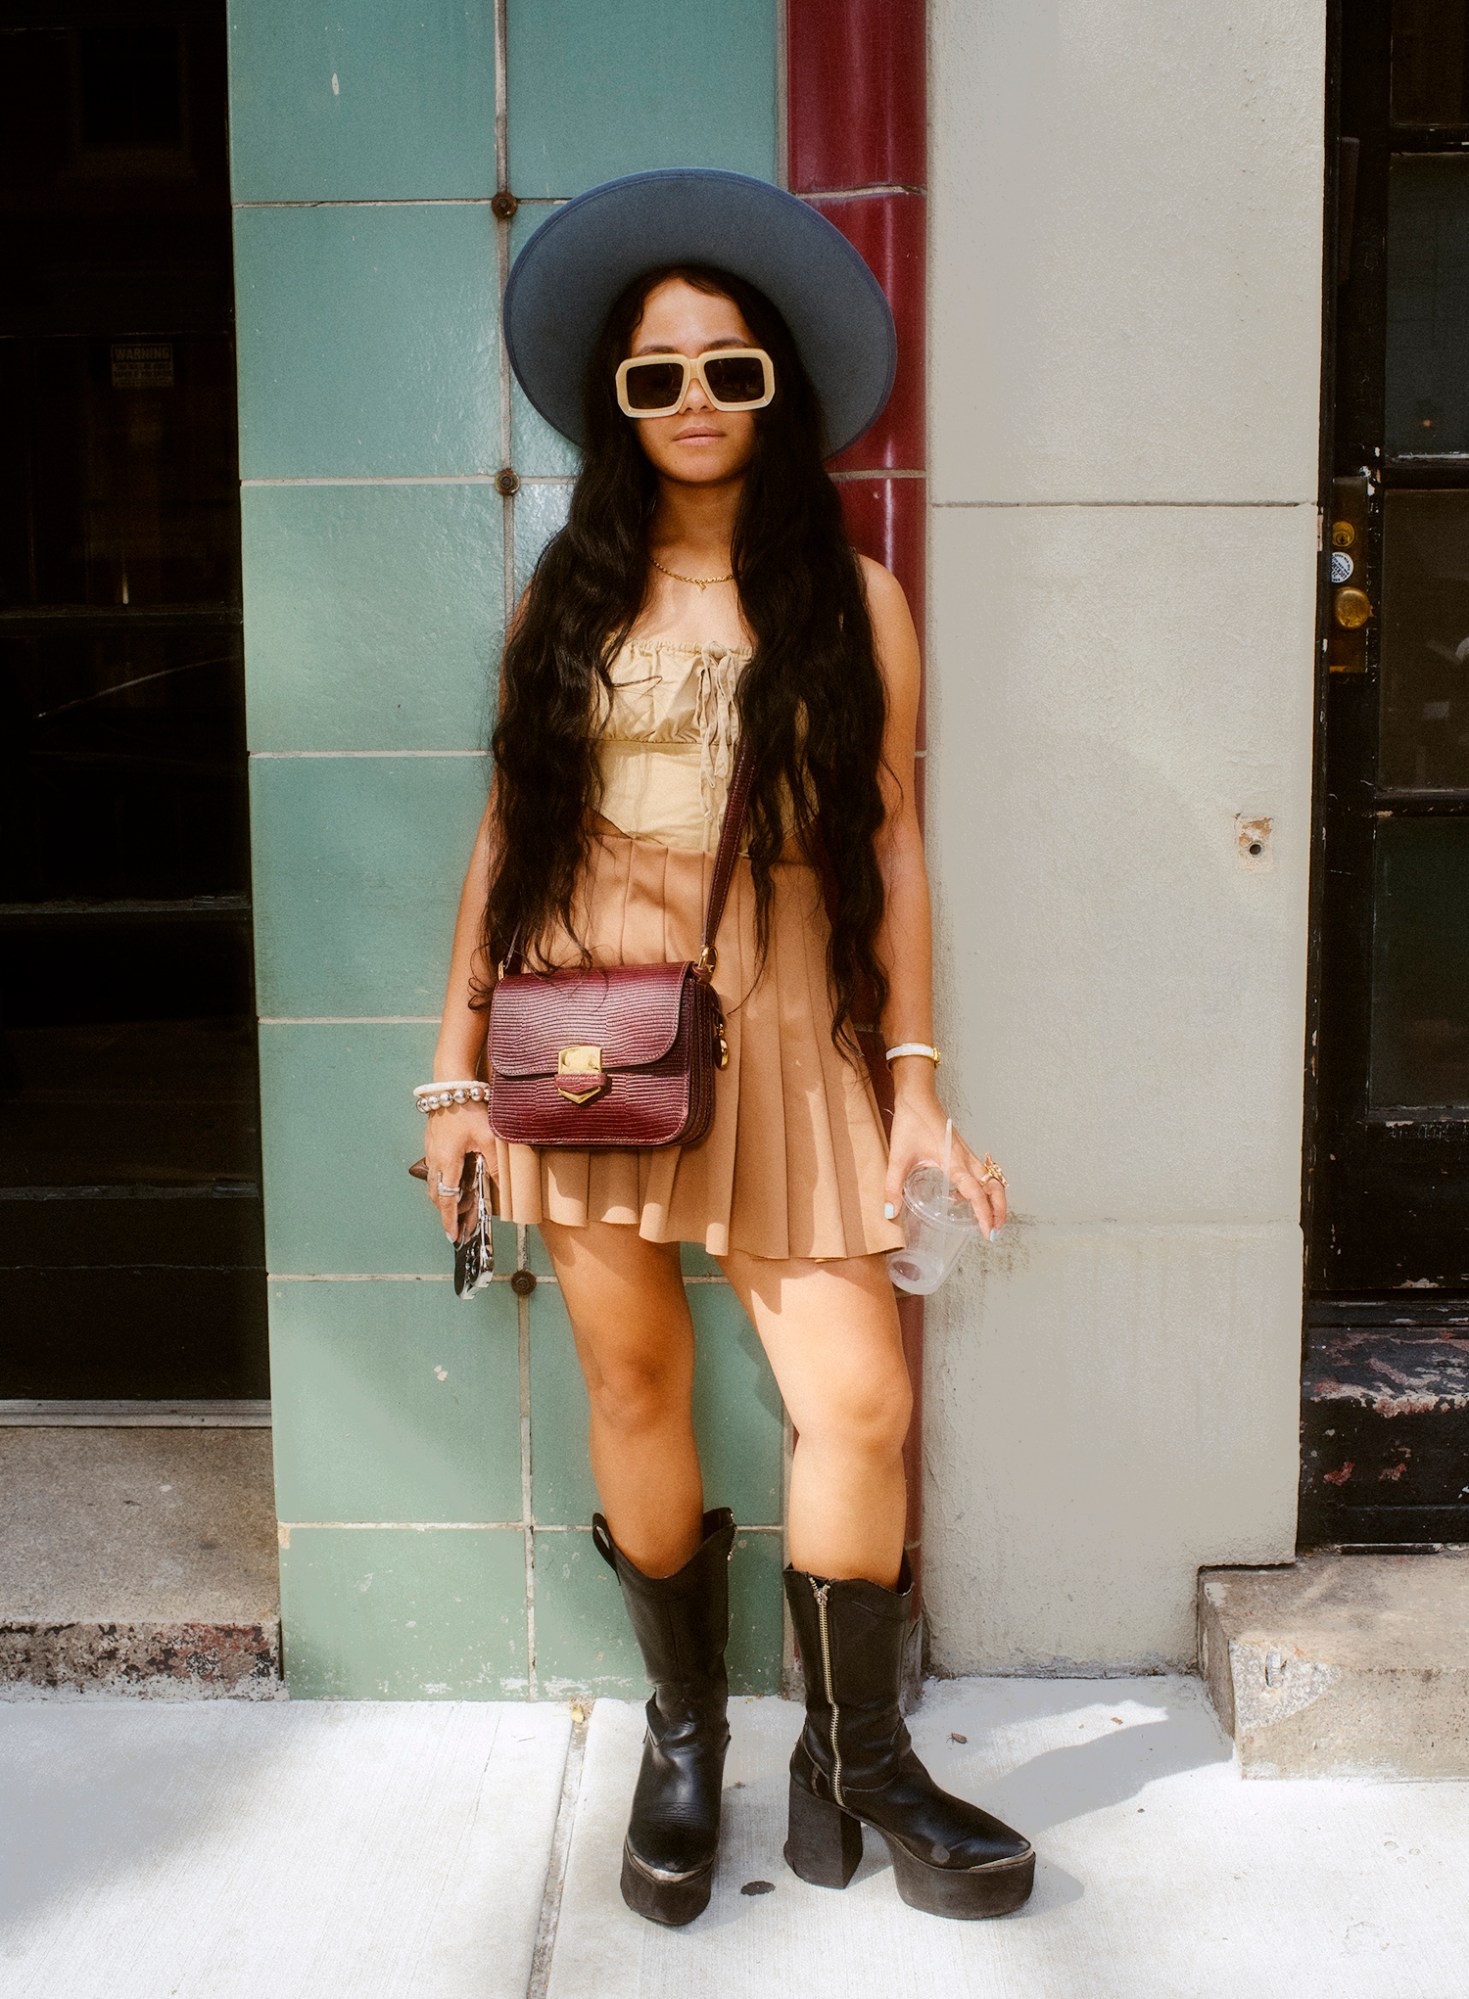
681	1623
855	1765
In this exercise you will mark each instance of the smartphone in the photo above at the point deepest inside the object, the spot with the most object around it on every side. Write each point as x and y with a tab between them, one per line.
474	1251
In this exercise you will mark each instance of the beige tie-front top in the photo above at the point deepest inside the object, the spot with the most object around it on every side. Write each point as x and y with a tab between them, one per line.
667	739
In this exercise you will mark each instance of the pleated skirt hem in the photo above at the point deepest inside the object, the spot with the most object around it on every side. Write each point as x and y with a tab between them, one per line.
793	1163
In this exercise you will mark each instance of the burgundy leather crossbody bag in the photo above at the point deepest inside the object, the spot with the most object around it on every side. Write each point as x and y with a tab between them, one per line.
620	1055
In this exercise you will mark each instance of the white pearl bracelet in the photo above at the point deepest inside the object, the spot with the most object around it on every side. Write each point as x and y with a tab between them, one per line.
914	1048
439	1096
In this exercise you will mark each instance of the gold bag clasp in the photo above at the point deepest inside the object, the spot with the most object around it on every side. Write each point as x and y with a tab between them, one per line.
579	1075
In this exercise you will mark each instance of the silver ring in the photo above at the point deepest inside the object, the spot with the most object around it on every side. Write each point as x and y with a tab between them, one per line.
445	1189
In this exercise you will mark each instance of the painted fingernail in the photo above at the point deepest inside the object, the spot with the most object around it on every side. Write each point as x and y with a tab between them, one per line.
889	1212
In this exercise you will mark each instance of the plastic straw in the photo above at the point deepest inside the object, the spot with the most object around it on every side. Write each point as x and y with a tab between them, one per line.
948	1152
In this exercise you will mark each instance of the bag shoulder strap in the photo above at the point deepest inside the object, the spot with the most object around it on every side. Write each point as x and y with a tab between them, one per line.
724	858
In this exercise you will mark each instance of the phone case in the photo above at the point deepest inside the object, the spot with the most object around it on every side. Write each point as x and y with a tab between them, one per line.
474	1253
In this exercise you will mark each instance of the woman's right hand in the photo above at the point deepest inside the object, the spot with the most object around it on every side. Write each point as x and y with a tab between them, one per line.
454	1133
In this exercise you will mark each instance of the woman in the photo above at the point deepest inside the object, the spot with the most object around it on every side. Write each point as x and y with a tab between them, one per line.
702	591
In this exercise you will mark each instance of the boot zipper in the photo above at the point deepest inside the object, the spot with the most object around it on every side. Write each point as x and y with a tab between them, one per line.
821	1590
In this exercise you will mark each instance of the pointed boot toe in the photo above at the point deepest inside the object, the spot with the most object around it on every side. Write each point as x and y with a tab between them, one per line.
855	1765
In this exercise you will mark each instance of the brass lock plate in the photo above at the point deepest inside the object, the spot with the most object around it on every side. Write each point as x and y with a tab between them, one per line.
1351	597
579	1075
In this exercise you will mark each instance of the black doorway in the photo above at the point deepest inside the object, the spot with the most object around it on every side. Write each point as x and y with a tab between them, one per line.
1386	1380
130	1218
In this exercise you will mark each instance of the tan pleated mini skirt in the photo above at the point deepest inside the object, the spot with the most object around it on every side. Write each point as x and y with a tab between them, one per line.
794	1159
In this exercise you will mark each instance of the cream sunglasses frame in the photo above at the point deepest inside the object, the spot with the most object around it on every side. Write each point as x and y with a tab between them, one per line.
693	369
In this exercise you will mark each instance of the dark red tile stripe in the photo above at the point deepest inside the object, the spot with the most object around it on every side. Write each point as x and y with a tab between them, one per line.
889	231
885	519
857	147
855	94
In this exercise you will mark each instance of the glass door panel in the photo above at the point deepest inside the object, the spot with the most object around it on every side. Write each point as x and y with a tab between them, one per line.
1424	720
1427	386
1420	967
1430	62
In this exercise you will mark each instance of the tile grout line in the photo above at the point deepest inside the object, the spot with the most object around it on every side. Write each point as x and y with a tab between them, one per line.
864	191
405	201
502	97
527	1488
289	1527
974	506
528	1525
507	588
349	1019
538	1984
377	201
424	479
408	200
502	272
788	1676
783	95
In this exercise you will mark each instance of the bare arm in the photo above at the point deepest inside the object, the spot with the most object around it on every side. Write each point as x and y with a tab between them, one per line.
459	1054
905	937
461	1045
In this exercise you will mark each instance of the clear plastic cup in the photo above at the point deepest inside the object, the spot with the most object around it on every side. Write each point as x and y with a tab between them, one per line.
937	1224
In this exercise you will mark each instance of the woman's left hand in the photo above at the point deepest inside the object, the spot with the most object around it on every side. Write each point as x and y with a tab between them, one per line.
918	1134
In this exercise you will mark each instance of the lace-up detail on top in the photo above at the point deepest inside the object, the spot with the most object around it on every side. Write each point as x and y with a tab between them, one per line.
667	739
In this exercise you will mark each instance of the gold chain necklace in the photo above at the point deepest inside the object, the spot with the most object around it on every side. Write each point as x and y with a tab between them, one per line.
699	582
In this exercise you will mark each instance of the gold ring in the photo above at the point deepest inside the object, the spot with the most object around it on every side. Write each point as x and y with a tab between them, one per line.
990	1171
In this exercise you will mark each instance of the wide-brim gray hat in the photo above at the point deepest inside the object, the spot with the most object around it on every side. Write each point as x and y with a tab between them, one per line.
564	281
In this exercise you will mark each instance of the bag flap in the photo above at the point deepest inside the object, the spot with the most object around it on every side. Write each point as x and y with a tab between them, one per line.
630	1012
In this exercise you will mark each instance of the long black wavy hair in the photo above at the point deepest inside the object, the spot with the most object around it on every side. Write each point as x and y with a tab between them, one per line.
811	699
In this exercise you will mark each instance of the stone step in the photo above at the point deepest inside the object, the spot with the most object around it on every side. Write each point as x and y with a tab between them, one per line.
1342	1665
138	1560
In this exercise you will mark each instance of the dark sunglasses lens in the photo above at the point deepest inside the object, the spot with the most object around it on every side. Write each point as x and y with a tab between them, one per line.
654	385
736	378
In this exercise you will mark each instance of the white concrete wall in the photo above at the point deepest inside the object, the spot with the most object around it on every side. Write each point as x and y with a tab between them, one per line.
1125	349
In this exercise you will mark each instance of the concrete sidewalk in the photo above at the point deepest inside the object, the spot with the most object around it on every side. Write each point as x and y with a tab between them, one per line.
217	1849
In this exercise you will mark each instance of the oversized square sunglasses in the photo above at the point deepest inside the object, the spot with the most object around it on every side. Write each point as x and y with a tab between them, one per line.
733	378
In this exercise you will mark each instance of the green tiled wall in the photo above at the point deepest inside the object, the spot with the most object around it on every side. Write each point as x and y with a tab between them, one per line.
434	1540
395	1401
597	91
337	1194
368	340
404	1613
358	863
362	100
374	612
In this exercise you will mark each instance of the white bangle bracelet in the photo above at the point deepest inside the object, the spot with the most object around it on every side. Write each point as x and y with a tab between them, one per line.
439	1096
914	1048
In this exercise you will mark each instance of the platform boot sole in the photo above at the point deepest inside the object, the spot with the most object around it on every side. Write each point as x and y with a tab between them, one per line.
824	1847
671	1899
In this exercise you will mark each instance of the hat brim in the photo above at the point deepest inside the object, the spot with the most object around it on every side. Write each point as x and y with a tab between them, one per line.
564	281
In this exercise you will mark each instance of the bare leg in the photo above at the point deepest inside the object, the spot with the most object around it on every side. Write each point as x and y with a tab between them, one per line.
830	1331
635	1341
